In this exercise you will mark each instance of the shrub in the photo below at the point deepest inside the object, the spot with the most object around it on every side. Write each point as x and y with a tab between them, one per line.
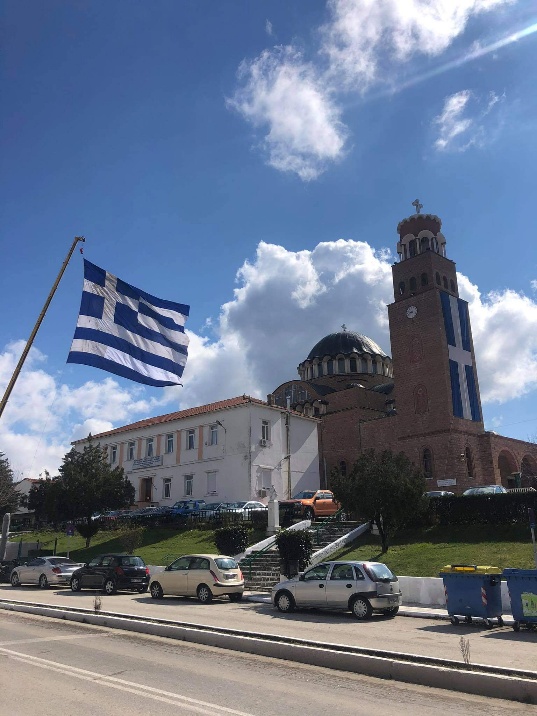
231	540
295	546
483	509
131	538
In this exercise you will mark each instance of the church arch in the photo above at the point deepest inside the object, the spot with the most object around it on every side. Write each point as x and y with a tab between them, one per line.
507	464
427	463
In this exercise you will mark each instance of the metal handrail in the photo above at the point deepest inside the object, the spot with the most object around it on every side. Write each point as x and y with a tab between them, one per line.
336	517
250	557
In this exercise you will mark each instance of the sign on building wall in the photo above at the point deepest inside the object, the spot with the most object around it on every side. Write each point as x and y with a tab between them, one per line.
154	461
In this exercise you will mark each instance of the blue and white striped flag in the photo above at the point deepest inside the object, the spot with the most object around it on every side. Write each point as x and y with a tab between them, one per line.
128	332
461	367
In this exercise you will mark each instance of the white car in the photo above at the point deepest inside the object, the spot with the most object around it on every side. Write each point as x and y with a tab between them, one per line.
44	571
200	575
244	508
485	490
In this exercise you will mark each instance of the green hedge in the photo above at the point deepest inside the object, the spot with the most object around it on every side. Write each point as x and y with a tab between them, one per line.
499	509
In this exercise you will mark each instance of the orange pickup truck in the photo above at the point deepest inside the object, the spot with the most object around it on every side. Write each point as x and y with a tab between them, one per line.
311	504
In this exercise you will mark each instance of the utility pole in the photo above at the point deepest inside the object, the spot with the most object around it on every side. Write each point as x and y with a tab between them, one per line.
36	327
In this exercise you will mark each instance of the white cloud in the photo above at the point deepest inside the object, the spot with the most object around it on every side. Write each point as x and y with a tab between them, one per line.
268	28
294	102
285	95
457	129
285	302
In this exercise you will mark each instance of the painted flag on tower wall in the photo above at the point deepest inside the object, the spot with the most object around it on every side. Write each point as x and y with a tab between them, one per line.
126	331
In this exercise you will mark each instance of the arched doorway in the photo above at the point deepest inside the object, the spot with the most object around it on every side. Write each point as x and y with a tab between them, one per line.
507	465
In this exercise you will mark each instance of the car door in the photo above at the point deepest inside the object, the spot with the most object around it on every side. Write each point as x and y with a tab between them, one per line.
90	577
324	504
198	573
29	573
310	589
174	579
340	586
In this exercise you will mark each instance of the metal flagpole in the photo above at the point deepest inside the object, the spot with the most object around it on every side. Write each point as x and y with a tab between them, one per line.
36	327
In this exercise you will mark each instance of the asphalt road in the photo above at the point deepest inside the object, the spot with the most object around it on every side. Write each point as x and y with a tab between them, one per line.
427	637
48	666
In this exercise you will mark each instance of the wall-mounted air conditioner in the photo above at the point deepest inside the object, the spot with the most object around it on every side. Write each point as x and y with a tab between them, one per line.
263	442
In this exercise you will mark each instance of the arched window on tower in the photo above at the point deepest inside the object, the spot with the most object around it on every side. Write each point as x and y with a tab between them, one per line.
427	463
330	367
401	287
319	370
364	365
424	279
452	285
343	468
341	365
353	366
437	277
425	244
412	247
374	366
469	462
412	284
444	281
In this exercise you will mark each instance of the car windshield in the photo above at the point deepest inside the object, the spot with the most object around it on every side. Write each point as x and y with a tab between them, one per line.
181	503
381	573
305	495
61	560
212	506
232	505
132	562
226	563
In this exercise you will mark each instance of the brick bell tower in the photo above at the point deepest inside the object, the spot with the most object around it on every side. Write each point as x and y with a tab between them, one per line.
436	389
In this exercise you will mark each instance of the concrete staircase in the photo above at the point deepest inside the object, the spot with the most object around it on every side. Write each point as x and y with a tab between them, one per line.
262	571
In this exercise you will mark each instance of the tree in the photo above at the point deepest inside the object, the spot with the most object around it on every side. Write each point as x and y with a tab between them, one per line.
89	484
9	497
384	488
47	501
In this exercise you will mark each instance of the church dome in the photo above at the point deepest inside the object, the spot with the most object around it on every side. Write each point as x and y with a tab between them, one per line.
345	343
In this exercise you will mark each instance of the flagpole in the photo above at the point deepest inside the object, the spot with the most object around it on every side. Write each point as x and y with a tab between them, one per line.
37	325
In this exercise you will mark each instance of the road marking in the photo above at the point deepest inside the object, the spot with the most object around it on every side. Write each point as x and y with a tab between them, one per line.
51	638
168	697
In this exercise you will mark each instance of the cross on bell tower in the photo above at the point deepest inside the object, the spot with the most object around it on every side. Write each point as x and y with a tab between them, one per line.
418	206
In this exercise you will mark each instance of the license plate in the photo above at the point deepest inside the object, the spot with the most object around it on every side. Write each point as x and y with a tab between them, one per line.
230	576
136	580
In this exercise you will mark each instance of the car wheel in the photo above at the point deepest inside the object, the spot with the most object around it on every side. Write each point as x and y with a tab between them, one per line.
391	612
235	597
309	514
361	608
454	620
285	602
142	590
156	590
15	581
204	594
75	584
43	581
516	625
109	586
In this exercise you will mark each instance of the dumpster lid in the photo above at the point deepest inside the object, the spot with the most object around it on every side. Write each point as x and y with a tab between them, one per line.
470	569
514	572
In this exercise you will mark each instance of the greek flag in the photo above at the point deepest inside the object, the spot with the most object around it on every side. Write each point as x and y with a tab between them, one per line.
128	332
461	368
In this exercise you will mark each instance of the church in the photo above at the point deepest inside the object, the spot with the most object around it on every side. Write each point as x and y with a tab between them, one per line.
423	400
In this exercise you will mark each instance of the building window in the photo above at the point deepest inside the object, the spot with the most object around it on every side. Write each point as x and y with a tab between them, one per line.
412	247
266	479
452	285
213	438
437	277
113	454
319	370
169	442
427	463
265	430
412	284
401	287
364	365
190	439
211	483
374	367
330	367
424	279
130	450
353	365
149	447
189	482
166	488
343	468
469	462
444	281
424	244
341	365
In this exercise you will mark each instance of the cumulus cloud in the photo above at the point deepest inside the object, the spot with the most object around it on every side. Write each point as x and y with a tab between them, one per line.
284	302
294	102
458	126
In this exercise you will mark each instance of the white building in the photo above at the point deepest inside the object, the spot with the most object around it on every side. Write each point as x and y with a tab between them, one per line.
231	450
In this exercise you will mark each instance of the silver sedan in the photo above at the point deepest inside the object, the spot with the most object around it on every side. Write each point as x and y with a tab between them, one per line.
44	571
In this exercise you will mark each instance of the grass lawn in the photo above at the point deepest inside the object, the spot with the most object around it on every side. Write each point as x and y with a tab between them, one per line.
161	545
423	553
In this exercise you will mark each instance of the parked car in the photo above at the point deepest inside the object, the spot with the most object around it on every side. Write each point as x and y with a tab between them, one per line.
200	575
111	572
311	504
439	493
152	516
44	571
184	508
359	587
244	509
211	510
485	490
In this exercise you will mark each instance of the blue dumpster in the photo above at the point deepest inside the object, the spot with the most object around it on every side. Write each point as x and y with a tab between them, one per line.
473	591
522	586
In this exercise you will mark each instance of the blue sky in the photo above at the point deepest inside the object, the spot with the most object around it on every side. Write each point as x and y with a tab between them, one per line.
253	159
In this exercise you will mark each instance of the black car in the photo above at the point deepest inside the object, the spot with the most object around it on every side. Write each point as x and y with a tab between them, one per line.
111	572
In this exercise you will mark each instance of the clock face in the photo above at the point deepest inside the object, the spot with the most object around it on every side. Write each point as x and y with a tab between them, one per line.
411	312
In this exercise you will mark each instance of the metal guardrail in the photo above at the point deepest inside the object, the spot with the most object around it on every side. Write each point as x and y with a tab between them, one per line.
328	521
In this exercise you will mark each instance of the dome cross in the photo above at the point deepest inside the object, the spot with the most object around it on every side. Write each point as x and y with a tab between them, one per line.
418	206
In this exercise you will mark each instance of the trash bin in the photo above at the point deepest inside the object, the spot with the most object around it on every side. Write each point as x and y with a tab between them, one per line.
473	591
522	586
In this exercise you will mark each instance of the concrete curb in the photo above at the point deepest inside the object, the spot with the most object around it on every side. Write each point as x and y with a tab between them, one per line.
496	682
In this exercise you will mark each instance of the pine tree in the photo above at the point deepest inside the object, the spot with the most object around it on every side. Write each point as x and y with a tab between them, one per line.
9	497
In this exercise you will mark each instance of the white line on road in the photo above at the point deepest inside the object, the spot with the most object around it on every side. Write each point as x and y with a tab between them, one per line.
51	638
202	707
